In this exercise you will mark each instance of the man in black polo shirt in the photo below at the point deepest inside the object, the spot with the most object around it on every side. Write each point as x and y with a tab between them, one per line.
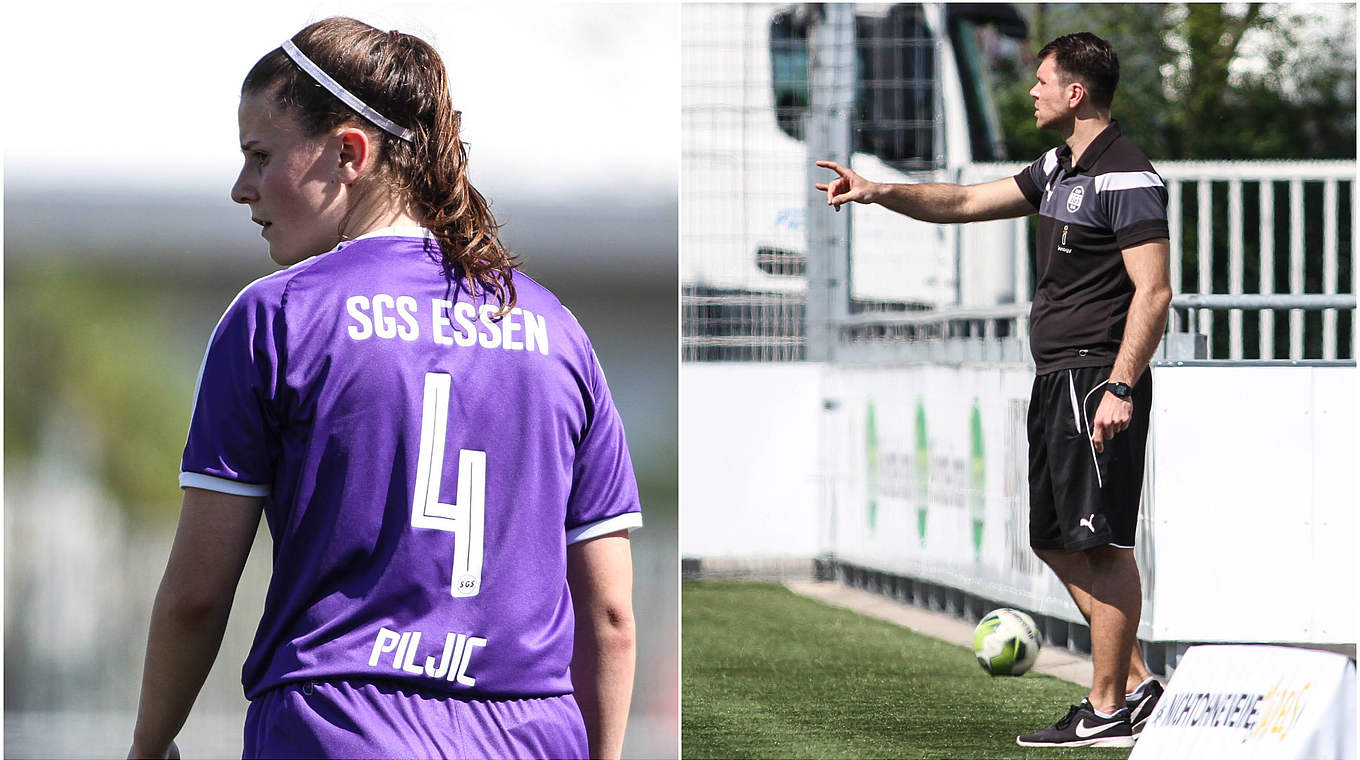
1099	309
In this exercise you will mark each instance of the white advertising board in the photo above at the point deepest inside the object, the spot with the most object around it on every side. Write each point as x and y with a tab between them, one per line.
1257	702
1254	504
1246	531
1248	518
928	478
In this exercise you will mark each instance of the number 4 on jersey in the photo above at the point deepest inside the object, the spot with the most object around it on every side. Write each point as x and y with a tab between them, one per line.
466	518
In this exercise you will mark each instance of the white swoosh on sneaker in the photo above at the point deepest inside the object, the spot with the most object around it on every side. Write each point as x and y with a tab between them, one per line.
1085	732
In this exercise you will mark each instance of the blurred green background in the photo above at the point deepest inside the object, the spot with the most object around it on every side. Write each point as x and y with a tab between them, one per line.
117	267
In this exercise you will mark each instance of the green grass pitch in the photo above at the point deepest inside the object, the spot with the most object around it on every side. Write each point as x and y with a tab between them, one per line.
767	673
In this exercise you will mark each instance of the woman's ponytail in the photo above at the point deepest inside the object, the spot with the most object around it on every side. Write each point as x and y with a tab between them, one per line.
455	212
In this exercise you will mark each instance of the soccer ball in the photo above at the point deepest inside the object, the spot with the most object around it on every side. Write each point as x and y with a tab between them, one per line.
1006	642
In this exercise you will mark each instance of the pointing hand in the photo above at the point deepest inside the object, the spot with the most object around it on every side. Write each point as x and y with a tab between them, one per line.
846	187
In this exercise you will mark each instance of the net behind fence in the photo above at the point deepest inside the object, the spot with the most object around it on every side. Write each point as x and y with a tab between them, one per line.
742	197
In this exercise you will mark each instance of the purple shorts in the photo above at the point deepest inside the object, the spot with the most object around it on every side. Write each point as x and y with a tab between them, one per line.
355	719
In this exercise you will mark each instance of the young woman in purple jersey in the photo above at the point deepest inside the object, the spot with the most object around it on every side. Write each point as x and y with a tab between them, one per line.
426	431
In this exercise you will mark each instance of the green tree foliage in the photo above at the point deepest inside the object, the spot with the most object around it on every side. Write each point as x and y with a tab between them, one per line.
1206	81
117	350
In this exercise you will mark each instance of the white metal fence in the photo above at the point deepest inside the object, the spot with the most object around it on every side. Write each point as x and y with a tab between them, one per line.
1287	251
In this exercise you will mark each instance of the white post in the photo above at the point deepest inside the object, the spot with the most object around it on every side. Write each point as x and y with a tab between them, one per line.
1205	193
1174	220
1235	266
1267	316
1329	266
1296	265
832	47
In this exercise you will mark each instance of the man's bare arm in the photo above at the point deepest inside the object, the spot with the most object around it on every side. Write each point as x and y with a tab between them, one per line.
930	202
190	613
1148	265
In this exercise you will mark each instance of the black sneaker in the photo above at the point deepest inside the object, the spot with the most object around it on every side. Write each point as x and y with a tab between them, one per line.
1141	703
1081	727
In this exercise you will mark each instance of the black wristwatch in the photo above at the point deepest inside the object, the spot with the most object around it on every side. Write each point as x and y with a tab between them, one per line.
1120	390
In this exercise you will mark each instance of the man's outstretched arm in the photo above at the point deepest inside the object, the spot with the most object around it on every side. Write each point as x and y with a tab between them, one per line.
930	202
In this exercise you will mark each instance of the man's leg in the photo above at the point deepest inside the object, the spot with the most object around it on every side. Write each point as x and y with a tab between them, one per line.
1116	602
1083	522
1074	570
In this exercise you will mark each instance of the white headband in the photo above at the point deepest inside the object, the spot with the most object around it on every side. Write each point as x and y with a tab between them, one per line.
338	90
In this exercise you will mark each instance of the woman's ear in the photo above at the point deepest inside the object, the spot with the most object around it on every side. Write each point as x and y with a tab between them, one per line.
355	154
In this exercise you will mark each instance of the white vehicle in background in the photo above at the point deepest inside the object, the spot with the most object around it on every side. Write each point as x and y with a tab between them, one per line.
923	113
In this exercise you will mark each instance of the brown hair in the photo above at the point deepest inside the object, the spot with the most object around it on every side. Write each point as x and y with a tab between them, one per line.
401	77
1088	59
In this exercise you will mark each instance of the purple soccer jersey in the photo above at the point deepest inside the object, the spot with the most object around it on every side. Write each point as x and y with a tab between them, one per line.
424	466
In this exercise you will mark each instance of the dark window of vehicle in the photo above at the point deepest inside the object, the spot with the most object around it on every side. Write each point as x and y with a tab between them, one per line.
789	65
895	96
973	26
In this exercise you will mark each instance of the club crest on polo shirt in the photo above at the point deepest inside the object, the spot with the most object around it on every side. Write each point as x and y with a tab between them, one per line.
1074	199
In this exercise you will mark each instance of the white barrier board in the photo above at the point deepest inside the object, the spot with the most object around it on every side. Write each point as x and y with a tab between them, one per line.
927	477
1244	508
1257	702
1253	504
1245	534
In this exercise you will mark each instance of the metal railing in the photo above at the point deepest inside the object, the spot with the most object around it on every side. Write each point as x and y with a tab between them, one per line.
1201	179
1188	309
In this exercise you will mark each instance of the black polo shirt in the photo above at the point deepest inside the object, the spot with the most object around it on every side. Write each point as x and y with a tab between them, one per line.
1111	200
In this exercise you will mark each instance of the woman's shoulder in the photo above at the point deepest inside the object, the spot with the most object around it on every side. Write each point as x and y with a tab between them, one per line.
533	296
529	290
264	291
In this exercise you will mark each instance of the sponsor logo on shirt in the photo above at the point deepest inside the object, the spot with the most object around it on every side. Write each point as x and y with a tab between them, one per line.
450	665
1062	244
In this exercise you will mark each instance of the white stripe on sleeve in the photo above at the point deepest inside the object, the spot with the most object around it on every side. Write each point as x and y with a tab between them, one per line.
1126	181
1050	161
221	485
627	520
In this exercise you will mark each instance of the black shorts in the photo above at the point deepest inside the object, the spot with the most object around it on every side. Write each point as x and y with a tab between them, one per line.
1079	499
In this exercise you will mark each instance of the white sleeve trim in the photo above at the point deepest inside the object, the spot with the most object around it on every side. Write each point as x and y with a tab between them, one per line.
1050	161
628	520
1127	181
221	485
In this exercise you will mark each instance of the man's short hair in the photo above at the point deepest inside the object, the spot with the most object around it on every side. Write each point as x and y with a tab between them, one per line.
1088	59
